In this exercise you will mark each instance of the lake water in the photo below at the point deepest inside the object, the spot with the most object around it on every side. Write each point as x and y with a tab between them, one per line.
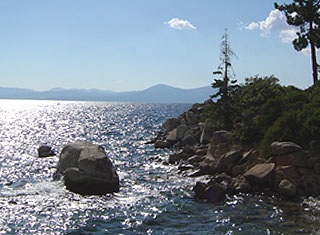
153	198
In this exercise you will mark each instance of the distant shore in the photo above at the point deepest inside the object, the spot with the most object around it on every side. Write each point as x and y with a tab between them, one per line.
155	94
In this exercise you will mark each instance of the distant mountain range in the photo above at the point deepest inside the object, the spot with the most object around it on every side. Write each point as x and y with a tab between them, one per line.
155	94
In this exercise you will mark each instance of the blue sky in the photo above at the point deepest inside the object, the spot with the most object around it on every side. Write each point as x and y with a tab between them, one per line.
133	44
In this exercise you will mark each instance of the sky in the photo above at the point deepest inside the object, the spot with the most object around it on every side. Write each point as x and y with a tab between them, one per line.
125	45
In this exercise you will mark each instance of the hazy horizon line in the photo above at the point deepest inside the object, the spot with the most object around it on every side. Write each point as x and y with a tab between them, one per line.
101	89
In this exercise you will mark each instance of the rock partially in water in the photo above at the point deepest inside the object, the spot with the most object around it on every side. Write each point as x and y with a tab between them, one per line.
177	157
215	193
199	190
162	144
287	189
290	171
212	192
242	185
87	170
45	151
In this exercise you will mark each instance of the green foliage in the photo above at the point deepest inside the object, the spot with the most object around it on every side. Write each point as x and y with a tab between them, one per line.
309	116
285	128
258	105
262	111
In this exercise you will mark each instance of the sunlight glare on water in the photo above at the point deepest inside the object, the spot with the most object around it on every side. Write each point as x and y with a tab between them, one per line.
153	198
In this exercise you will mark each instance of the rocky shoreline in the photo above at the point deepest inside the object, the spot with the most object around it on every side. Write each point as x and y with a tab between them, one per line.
199	149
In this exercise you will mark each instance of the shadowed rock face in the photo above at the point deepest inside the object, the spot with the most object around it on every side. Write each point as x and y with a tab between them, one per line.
87	170
259	173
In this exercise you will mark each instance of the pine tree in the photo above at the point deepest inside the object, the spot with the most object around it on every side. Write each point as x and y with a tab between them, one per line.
305	14
225	85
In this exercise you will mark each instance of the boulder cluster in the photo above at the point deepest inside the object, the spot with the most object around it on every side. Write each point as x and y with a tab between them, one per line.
201	150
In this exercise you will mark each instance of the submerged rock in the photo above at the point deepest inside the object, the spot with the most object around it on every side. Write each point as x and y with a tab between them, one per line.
87	170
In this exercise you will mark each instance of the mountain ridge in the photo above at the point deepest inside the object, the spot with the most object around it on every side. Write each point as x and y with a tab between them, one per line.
160	93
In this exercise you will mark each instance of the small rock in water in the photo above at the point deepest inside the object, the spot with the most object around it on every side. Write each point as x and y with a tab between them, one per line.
45	151
161	144
212	192
215	193
287	189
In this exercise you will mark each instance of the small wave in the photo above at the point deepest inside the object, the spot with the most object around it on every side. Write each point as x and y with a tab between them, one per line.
25	189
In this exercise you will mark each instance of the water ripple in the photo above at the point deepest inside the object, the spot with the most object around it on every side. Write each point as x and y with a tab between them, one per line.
153	199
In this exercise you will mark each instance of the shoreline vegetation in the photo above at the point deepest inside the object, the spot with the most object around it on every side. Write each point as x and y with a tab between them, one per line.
269	142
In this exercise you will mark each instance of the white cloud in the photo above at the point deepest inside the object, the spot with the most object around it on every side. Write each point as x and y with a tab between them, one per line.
288	35
252	26
275	22
180	24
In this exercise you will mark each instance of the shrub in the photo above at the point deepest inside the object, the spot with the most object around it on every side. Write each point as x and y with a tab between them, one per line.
262	111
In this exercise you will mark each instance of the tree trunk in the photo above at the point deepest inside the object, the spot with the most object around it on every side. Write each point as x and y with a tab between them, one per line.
313	56
314	63
225	80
